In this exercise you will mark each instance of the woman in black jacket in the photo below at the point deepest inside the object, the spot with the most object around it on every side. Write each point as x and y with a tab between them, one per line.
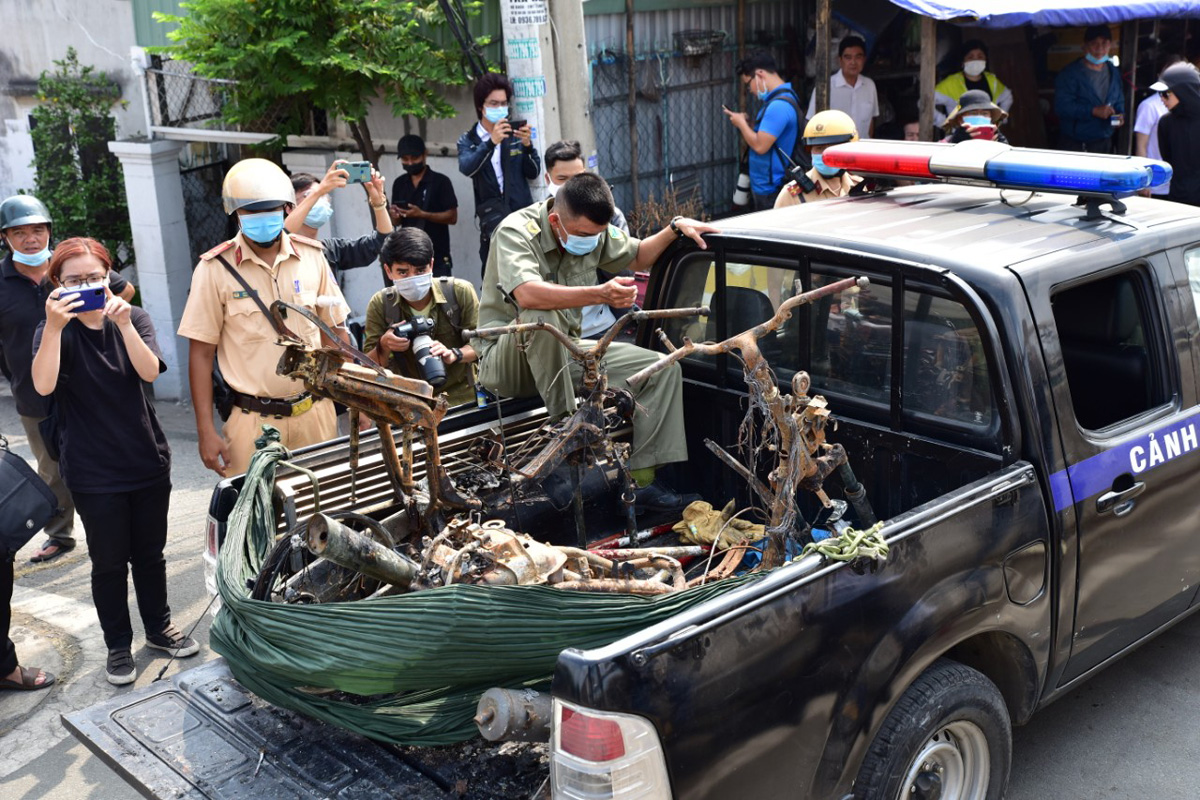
1179	130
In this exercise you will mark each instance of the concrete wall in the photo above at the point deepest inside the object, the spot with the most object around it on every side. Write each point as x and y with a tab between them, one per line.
39	32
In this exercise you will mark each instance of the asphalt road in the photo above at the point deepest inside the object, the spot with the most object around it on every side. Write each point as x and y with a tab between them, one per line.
1131	732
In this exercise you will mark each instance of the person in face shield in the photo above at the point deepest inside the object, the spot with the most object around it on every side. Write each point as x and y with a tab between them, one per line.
314	209
416	294
223	321
545	258
973	76
424	199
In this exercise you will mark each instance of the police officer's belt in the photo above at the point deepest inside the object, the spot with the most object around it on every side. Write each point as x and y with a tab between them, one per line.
287	407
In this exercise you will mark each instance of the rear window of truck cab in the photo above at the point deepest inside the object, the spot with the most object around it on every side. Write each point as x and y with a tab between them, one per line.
856	346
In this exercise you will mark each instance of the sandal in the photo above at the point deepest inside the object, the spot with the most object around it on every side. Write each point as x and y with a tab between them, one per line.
29	680
42	556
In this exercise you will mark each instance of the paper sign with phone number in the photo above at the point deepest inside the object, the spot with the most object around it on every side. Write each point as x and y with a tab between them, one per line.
525	12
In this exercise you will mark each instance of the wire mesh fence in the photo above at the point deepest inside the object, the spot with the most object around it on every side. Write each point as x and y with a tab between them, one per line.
683	140
207	223
181	99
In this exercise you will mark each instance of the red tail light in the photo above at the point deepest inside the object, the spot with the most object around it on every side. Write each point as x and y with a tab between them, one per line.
590	738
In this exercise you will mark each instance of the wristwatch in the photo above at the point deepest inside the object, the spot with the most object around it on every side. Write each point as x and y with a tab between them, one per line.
458	356
675	227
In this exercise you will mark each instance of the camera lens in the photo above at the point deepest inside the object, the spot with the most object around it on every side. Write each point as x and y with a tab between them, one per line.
432	368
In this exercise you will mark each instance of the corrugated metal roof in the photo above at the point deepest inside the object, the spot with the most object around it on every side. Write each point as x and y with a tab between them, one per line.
653	29
954	226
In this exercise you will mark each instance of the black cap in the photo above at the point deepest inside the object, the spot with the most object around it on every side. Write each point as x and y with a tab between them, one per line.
410	145
1097	32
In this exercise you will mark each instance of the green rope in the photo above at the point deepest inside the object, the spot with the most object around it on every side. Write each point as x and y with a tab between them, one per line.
411	666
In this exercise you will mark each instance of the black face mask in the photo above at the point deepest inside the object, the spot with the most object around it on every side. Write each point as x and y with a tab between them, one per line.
415	169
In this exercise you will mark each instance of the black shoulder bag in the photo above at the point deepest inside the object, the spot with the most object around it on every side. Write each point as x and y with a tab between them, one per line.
26	502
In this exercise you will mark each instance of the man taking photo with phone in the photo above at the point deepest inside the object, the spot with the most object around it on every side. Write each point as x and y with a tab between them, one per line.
498	157
772	137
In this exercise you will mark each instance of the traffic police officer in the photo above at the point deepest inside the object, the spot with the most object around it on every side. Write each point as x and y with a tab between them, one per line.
823	130
223	320
545	257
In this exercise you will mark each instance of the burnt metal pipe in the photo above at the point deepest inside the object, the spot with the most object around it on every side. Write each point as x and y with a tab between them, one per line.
857	495
348	548
514	715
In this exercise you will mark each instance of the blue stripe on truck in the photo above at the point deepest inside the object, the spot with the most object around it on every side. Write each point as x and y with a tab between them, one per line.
1140	454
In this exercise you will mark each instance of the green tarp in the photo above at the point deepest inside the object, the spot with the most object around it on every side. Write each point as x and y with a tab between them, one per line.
413	665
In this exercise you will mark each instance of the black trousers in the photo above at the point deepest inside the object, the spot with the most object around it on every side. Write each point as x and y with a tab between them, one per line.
8	653
124	530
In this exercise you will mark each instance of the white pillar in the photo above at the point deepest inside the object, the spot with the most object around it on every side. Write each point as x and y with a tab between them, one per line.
154	194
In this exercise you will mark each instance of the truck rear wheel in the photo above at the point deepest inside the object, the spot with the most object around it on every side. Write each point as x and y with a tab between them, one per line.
948	738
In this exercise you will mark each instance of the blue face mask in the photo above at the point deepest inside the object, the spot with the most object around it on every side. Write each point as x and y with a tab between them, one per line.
494	115
262	228
32	259
761	94
580	245
976	121
819	165
320	213
1091	58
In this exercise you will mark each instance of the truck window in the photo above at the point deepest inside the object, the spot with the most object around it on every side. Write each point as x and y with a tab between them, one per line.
1112	373
845	341
1192	260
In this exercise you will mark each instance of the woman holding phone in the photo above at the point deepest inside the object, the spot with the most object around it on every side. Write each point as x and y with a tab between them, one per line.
114	456
975	117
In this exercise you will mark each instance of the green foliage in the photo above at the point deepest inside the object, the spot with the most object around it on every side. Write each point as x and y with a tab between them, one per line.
290	56
77	178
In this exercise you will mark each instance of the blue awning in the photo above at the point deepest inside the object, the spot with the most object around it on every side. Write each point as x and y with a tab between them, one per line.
1010	13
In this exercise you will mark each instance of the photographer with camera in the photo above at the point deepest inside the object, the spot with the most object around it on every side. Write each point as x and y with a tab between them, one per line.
414	327
93	353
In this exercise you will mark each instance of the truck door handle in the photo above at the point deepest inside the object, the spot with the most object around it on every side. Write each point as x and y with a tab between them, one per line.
1120	503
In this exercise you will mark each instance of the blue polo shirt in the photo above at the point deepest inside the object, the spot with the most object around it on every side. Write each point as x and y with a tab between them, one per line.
778	118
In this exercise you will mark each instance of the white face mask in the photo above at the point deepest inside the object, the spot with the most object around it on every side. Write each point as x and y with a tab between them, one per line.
415	287
974	68
552	189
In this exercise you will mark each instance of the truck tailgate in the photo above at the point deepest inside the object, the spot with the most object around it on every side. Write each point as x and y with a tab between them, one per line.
201	735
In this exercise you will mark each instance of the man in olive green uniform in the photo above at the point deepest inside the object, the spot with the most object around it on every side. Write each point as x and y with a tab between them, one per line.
450	303
545	257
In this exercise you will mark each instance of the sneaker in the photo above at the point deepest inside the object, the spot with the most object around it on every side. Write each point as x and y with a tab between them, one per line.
121	669
657	497
173	642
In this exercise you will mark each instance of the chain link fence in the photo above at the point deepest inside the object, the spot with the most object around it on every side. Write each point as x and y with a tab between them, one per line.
683	139
180	99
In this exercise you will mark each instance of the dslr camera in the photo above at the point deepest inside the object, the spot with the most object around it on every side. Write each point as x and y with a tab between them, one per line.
418	332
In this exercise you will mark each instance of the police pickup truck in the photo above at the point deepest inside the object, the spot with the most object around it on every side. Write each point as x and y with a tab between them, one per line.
1018	390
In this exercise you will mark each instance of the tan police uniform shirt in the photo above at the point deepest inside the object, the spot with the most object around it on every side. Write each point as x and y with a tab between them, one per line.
460	376
219	311
525	248
827	189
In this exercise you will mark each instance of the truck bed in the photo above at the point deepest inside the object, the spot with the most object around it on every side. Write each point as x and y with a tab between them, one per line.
200	734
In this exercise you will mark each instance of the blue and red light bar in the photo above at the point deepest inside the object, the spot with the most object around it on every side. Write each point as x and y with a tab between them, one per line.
980	162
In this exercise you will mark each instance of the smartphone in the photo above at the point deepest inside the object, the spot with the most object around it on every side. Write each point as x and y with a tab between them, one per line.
724	107
92	296
360	171
517	124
